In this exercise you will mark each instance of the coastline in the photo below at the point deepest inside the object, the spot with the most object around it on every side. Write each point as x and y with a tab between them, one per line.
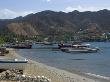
57	75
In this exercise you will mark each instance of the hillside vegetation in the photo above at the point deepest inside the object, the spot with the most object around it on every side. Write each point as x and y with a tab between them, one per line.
58	23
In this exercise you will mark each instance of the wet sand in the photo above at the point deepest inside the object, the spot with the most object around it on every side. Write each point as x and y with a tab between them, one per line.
56	75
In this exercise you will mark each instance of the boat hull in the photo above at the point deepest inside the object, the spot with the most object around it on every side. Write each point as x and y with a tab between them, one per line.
5	64
22	47
70	50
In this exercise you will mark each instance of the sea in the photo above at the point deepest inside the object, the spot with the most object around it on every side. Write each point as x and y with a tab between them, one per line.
95	63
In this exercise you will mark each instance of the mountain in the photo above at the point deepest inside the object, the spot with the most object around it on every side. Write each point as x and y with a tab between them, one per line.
49	22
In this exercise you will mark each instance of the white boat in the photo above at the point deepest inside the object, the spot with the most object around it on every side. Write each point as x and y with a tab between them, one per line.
47	43
79	48
13	64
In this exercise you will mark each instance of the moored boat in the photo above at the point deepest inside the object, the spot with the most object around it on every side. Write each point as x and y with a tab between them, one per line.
19	46
78	48
47	43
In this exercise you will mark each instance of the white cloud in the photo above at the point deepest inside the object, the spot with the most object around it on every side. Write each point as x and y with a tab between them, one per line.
9	14
48	0
81	9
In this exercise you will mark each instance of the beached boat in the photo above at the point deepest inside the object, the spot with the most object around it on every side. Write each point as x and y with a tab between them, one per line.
12	63
77	48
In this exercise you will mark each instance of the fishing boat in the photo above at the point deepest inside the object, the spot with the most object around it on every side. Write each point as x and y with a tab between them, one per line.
47	43
13	63
82	48
19	46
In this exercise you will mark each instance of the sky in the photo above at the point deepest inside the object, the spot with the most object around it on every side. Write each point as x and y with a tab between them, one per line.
13	8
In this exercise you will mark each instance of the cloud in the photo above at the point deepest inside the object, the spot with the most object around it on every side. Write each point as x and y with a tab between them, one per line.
9	14
81	9
48	0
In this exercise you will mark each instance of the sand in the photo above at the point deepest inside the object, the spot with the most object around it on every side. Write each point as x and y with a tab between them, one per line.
57	75
54	74
11	54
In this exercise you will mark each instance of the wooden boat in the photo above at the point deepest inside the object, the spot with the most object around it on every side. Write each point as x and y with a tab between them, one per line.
20	46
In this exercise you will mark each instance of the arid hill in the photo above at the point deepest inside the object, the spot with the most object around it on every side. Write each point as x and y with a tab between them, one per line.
48	22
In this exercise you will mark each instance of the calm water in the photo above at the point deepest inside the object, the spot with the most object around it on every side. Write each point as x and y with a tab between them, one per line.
97	63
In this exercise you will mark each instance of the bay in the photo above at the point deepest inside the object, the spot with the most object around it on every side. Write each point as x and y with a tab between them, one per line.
96	63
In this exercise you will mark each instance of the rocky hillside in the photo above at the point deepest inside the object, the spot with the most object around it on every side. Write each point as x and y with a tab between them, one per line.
48	22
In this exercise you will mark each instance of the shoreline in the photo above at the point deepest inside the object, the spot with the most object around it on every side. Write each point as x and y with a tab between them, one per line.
59	75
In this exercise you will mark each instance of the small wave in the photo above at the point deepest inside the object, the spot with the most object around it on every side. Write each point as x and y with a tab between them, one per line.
99	76
78	59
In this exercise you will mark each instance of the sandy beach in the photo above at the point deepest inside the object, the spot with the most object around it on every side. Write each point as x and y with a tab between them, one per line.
57	75
54	74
